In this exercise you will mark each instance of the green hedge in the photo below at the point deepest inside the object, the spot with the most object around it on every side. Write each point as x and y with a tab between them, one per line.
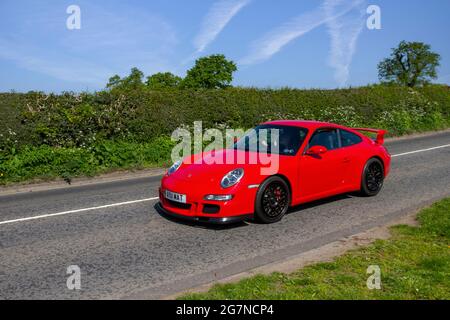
79	120
38	123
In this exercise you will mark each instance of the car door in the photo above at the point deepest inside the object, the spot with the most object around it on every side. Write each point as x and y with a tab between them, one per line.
322	175
352	147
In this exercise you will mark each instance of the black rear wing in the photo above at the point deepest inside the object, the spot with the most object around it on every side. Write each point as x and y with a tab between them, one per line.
380	134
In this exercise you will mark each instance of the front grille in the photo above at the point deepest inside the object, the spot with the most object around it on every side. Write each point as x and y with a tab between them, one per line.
174	204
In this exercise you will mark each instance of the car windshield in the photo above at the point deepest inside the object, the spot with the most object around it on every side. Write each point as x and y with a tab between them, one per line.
277	139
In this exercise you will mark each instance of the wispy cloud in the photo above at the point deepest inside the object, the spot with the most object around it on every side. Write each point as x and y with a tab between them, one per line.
109	42
215	21
66	69
344	31
333	13
272	42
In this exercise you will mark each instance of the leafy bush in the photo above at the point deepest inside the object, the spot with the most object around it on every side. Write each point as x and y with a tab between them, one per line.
159	81
142	115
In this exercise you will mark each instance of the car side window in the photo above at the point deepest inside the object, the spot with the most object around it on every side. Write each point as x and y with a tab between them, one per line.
349	139
327	138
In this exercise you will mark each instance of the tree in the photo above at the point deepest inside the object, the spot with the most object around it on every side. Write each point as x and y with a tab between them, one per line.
163	80
410	64
212	72
132	81
114	81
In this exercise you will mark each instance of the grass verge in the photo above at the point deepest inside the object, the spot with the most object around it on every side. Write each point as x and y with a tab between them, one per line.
414	264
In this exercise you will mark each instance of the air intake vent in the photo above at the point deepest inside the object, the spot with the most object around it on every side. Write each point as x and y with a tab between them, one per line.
211	208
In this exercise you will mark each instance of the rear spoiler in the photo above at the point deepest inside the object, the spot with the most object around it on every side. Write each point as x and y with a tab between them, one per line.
380	134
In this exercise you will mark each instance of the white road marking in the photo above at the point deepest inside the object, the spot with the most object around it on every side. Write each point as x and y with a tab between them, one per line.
43	216
422	150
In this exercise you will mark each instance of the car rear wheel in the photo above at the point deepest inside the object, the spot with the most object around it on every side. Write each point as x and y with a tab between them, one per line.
372	178
272	200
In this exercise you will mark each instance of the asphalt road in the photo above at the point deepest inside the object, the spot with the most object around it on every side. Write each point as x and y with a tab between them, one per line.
129	250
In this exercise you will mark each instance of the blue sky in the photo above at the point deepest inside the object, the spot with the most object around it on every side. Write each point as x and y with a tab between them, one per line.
305	44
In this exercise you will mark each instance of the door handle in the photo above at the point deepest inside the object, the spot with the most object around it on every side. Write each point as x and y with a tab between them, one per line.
346	160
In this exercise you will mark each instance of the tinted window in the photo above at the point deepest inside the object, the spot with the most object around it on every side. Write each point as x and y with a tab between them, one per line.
284	140
327	138
349	139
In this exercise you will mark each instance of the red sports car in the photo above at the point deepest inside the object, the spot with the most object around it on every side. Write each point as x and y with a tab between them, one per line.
314	160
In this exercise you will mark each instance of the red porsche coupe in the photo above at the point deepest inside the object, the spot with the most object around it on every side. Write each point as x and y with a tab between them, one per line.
313	160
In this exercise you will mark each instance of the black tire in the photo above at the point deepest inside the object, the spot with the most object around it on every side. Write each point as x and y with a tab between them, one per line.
372	178
272	200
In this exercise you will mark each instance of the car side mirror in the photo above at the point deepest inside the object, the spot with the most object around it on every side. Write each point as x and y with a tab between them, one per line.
316	150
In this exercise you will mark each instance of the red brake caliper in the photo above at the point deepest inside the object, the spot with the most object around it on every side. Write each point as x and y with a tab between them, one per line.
278	194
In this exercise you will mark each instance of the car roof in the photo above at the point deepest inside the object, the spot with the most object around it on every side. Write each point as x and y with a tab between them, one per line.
309	124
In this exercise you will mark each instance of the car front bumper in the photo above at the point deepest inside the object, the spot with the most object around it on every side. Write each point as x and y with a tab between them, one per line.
203	219
196	208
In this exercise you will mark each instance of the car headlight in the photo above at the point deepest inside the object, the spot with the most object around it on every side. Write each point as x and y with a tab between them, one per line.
232	177
174	167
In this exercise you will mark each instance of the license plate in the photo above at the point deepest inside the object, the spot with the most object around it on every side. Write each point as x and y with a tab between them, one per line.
181	198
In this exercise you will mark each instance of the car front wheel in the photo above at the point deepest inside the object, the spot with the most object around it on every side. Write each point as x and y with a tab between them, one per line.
272	200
